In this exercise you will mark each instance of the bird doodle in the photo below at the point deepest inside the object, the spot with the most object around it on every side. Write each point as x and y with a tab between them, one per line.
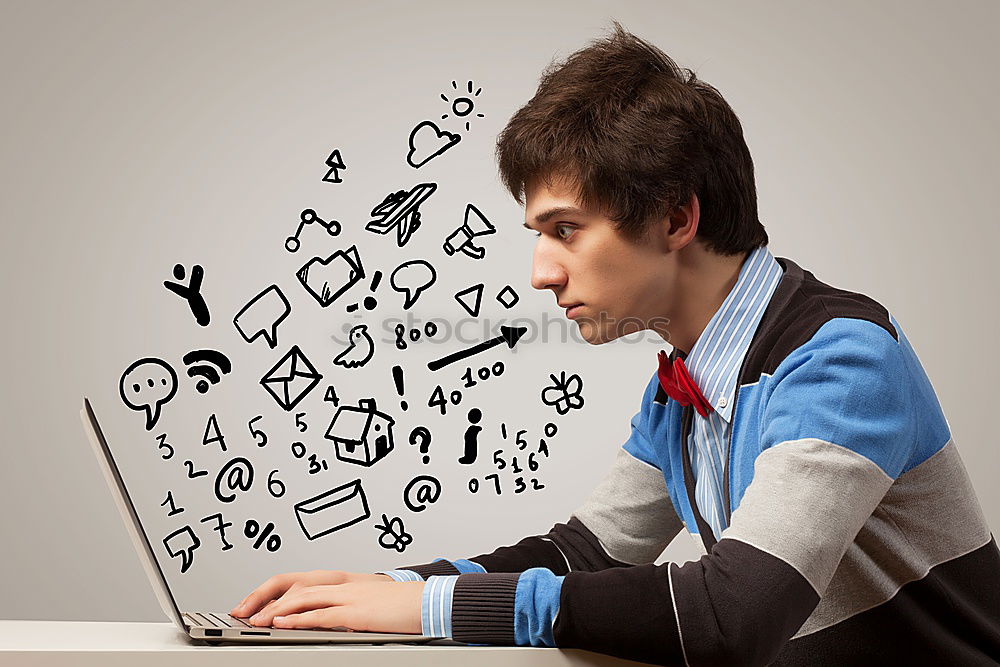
360	350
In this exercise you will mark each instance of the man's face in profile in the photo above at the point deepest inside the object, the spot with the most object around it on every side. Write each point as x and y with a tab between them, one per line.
608	284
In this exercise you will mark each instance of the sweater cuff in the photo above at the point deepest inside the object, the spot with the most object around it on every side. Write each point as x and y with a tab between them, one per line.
439	567
483	608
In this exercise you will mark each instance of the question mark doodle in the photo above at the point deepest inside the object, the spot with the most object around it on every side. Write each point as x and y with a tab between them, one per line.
421	434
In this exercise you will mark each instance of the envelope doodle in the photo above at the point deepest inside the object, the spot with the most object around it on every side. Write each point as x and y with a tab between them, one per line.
326	279
328	512
291	378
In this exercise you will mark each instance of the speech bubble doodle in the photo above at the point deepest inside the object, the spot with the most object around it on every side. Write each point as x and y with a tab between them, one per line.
412	279
262	315
147	385
422	490
182	542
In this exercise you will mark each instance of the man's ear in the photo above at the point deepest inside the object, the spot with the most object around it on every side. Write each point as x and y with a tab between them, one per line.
680	227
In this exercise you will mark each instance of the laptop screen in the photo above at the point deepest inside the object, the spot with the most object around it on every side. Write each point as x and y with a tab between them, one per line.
129	514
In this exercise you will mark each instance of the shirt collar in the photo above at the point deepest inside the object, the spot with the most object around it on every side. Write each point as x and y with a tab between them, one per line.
717	355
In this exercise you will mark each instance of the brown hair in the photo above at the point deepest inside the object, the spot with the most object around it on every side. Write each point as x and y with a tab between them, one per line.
636	135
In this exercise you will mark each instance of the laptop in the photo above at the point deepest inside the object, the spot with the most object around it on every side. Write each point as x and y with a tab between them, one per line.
211	627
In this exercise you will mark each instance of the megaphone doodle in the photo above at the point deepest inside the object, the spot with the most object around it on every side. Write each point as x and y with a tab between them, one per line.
475	225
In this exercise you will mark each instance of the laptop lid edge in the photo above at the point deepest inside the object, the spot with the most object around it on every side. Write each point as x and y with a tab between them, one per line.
129	515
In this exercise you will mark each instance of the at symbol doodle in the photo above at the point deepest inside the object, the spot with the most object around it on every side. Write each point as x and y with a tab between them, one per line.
423	489
236	475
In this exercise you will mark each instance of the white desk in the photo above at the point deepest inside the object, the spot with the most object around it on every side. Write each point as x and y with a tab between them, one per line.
56	643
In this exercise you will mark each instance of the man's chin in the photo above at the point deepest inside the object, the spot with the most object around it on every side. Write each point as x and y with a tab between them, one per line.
595	335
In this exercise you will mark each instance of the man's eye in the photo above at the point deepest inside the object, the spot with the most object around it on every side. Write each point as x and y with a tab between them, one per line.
564	231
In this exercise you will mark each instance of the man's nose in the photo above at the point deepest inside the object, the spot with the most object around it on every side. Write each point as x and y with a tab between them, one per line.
546	273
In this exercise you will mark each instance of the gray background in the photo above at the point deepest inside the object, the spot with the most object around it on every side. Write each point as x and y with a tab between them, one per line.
137	135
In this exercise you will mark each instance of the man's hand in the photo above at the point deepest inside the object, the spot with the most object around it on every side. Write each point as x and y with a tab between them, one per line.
274	588
374	606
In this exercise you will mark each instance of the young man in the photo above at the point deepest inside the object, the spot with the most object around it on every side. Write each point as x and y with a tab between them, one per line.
792	429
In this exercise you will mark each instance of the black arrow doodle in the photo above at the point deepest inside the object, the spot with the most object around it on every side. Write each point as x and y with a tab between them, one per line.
509	335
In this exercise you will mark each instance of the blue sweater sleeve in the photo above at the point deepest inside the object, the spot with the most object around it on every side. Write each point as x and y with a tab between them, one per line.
536	605
439	566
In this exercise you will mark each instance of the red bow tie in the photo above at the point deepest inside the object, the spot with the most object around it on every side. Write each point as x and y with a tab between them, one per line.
679	386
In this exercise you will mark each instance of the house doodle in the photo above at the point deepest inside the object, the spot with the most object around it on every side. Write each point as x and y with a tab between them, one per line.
361	434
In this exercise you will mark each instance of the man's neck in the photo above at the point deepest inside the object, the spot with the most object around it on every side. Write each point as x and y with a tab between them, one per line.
704	280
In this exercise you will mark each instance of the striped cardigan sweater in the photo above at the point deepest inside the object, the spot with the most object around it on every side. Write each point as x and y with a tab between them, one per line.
854	534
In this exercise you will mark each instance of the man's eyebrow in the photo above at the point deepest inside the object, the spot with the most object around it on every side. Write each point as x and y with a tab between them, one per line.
547	215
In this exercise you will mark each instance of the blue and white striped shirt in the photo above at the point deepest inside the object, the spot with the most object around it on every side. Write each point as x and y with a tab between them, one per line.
435	606
713	363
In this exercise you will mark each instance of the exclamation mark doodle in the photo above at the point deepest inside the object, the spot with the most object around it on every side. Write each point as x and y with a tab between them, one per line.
370	301
397	377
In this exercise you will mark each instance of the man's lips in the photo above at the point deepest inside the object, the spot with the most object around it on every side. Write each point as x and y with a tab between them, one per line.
570	308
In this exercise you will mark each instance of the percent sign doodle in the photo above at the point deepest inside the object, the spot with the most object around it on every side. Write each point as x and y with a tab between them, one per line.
253	530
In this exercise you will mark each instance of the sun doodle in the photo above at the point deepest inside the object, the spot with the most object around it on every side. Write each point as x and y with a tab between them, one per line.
464	105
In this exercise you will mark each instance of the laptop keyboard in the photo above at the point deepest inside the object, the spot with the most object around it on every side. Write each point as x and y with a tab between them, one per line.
216	620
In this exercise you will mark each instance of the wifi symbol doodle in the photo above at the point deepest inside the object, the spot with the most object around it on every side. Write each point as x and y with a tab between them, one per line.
214	363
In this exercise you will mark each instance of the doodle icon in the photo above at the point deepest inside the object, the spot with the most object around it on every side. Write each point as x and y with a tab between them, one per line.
393	535
508	336
236	475
326	279
564	393
471	298
331	396
508	297
191	292
370	301
360	350
207	364
308	217
334	510
427	141
361	434
423	490
475	225
262	536
147	385
182	543
400	210
412	279
471	451
335	163
422	435
262	316
291	379
464	105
